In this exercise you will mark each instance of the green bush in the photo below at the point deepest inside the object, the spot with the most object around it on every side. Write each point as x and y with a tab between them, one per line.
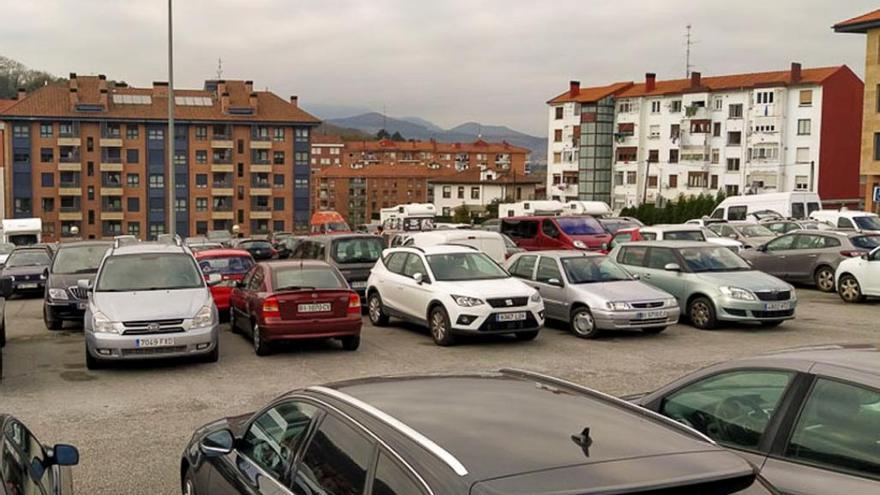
680	211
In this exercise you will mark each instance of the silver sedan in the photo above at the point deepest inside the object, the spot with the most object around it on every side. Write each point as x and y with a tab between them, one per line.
592	293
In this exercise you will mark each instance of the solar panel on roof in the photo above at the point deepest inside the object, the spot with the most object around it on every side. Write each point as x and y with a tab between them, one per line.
194	101
123	99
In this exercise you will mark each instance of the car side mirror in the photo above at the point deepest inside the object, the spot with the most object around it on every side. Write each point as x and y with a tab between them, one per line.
63	454
84	284
605	246
214	279
419	278
636	276
217	444
555	281
672	267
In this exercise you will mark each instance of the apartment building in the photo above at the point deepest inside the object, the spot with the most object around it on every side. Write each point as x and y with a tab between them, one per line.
452	157
477	189
869	25
4	104
87	154
745	133
327	150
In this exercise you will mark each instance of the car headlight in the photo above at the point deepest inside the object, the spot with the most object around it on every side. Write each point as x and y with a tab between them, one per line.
204	318
579	244
42	276
102	324
12	278
618	305
467	301
536	297
59	294
671	302
737	293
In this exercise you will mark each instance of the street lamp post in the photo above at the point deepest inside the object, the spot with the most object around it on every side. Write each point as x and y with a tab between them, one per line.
172	217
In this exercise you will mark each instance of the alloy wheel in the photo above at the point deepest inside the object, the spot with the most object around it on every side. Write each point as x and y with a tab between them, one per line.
375	309
700	313
188	488
825	280
256	337
438	326
850	290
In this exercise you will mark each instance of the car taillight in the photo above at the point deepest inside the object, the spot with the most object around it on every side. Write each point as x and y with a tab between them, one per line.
354	304
270	309
852	253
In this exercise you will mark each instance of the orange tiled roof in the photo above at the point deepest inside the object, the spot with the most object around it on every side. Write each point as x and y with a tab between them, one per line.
859	24
4	104
478	146
53	101
595	93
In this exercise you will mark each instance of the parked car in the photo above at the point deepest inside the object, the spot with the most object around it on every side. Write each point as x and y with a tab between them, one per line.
795	204
346	437
809	256
806	418
258	248
844	219
353	254
29	467
204	246
858	278
63	299
222	236
26	270
452	290
3	284
685	232
295	300
149	300
510	247
5	250
490	243
710	282
612	225
749	234
545	233
493	225
231	264
591	293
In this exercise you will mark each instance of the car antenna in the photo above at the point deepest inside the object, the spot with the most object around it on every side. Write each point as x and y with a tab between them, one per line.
583	440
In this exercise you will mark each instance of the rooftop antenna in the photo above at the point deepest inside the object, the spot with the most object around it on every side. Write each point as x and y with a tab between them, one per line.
689	42
384	119
219	68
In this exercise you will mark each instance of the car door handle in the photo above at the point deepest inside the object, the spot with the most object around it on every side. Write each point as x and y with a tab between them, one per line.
814	256
646	275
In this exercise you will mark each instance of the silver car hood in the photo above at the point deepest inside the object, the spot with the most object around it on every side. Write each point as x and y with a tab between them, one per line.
151	304
624	290
752	280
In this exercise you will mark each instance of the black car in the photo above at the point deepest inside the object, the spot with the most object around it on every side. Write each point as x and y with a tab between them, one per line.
353	254
259	249
27	466
63	299
511	432
26	270
3	284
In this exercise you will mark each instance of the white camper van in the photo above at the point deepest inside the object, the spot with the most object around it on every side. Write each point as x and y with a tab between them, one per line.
22	231
530	208
796	205
592	208
408	217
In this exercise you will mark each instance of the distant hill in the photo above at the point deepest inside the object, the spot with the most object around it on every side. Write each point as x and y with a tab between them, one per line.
347	134
418	128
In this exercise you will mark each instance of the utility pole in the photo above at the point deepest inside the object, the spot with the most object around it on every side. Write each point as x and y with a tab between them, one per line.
172	217
219	68
688	44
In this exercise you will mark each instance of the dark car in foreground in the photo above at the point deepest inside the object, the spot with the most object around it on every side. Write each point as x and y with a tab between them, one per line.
63	299
809	418
26	270
511	432
260	249
353	254
29	467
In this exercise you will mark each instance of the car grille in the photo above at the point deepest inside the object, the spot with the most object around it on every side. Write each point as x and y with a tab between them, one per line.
144	351
647	305
652	321
490	325
773	314
78	292
150	327
26	278
773	295
501	302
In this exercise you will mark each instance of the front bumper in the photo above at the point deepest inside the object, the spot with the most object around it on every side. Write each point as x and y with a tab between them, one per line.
124	347
729	309
636	318
72	310
484	319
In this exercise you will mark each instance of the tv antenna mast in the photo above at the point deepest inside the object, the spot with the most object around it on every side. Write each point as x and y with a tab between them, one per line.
219	68
689	42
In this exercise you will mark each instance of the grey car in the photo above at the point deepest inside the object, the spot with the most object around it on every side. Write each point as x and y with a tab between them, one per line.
782	226
591	293
806	418
711	283
749	234
353	254
810	256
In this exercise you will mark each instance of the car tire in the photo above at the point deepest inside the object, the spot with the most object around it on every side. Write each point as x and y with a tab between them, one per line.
849	289
771	324
653	330
233	325
261	347
2	329
214	355
92	362
351	343
51	322
378	317
188	485
701	312
526	336
824	279
582	323
441	330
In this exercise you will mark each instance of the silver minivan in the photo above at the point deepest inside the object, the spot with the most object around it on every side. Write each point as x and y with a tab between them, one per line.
150	300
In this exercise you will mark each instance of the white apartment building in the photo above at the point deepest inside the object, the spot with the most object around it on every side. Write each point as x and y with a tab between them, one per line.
562	148
477	189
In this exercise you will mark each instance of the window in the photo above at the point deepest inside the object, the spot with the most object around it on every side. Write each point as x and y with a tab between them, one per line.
524	267
278	180
735	111
559	111
764	97
180	204
673	181
675	106
278	158
716	129
301	158
46	155
715	155
718	405
654	131
713	182
134	204
460	192
877	146
733	164
837	428
734	138
658	258
201	204
548	269
627	154
633	256
46	130
653	156
202	156
717	104
675	131
700	126
412	265
301	134
549	229
475	192
21	131
557	136
630	177
557	157
652	181
155	134
201	132
47	179
802	155
131	132
731	190
803	127
801	183
392	479
157	181
625	107
278	134
737	212
845	223
698	179
48	204
271	438
806	98
132	156
447	192
133	180
673	156
655	106
336	460
201	181
278	204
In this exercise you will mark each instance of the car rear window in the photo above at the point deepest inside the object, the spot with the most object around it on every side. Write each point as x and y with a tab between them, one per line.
226	265
294	277
684	235
357	250
866	241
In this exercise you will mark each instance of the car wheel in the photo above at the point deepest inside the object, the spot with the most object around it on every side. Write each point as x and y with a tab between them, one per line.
849	289
583	324
233	322
2	329
653	330
440	327
92	362
702	313
51	322
824	279
351	343
378	317
526	336
214	355
261	347
188	485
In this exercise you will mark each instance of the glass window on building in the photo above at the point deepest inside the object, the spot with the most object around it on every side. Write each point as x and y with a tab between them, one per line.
46	130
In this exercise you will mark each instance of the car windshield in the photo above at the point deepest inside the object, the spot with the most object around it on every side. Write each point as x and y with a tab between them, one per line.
866	241
579	225
6	247
255	245
79	259
756	231
218	235
684	235
295	277
712	259
226	265
464	266
613	226
591	269
867	222
148	271
30	257
357	250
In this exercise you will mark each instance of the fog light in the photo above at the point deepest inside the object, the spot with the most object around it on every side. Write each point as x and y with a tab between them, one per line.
202	346
466	319
104	352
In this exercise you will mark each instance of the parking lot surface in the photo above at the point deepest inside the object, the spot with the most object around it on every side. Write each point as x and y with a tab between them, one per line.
131	422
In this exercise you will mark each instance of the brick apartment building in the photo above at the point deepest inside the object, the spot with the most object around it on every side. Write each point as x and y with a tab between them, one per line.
435	155
4	104
87	154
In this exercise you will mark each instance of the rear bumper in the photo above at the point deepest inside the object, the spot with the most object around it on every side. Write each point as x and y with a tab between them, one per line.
348	326
615	320
115	347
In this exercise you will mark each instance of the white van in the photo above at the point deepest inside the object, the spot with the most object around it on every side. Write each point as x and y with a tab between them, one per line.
490	243
853	220
797	205
530	208
592	208
22	231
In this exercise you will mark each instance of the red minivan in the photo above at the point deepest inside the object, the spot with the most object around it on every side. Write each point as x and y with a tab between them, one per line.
231	264
565	232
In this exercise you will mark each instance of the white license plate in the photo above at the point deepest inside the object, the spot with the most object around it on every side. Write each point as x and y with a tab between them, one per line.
27	285
313	308
651	315
358	284
155	342
518	316
81	305
777	306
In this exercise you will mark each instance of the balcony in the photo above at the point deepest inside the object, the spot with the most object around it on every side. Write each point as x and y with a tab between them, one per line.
64	215
223	192
69	190
110	166
112	215
260	145
222	184
226	168
70	167
261	168
223	157
111	191
260	215
222	143
69	141
68	156
110	142
259	191
222	215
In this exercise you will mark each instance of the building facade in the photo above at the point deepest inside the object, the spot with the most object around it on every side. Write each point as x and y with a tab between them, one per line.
85	154
452	157
477	189
869	25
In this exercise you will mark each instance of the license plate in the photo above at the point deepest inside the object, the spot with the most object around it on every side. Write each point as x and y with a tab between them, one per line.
155	342
81	305
27	285
313	308
650	315
777	306
358	284
518	316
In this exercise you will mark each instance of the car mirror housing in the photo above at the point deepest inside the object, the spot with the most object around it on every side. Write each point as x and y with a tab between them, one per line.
84	284
214	279
217	444
672	267
555	281
64	455
419	278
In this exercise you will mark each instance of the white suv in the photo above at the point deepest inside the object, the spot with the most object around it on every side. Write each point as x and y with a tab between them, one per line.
454	290
859	277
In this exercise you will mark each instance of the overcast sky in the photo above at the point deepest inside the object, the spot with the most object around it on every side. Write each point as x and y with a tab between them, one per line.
449	61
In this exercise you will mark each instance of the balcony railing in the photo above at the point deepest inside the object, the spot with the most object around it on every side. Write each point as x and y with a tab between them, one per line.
68	157
222	158
261	208
73	183
222	206
260	184
70	209
224	184
111	207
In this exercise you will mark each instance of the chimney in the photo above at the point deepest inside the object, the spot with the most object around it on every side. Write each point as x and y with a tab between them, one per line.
650	81
795	72
73	96
294	100
160	88
695	79
224	101
103	98
21	94
574	88
221	87
252	101
249	86
72	81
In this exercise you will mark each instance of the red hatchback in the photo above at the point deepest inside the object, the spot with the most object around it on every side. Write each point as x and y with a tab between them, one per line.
294	300
231	264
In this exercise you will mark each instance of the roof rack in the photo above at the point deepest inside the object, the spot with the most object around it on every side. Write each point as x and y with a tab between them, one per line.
169	239
459	245
395	423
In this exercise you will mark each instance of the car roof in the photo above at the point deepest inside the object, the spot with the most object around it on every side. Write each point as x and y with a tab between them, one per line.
65	245
562	253
276	264
672	244
438	249
672	227
861	357
220	252
147	247
341	235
